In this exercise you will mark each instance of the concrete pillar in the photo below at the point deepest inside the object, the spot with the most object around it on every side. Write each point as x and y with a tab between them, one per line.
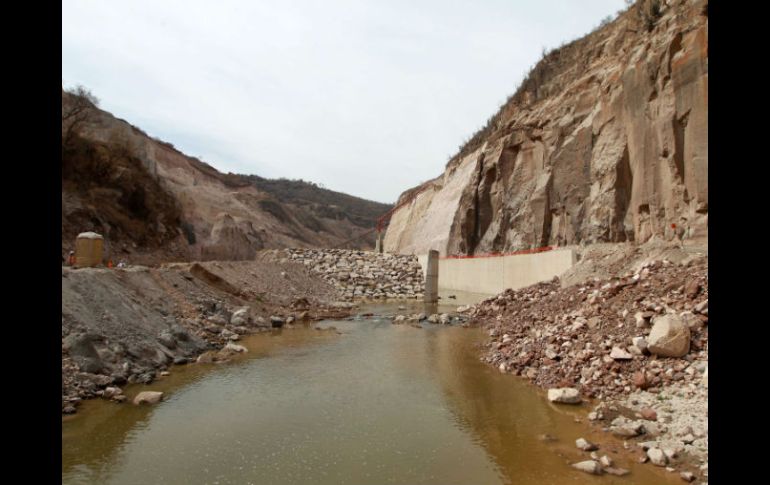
431	277
378	243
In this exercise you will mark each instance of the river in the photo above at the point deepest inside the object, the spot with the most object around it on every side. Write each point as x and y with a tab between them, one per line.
369	403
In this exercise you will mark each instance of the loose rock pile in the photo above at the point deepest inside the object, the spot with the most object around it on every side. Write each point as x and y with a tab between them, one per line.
364	274
639	341
608	337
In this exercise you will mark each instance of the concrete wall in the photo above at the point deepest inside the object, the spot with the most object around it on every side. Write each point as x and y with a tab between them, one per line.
492	275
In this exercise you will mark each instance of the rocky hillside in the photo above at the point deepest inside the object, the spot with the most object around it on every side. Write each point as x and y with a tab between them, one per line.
153	203
605	141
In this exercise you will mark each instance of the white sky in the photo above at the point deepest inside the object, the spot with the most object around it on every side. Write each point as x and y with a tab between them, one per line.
364	97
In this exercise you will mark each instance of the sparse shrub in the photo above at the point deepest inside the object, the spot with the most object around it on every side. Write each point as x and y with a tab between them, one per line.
77	109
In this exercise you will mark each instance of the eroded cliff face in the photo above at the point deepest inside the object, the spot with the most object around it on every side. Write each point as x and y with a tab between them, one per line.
605	141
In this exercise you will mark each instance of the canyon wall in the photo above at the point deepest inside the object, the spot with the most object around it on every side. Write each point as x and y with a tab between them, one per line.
606	140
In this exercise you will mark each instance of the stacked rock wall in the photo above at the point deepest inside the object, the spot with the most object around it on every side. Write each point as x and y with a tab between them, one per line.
364	274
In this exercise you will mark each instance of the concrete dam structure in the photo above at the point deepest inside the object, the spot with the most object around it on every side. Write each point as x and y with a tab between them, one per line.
490	275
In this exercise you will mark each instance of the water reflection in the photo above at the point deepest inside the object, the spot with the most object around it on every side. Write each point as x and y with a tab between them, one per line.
381	403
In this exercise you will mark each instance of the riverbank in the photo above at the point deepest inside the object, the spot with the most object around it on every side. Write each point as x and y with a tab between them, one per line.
130	325
637	342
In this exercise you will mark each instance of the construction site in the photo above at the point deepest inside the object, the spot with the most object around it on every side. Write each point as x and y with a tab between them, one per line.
537	313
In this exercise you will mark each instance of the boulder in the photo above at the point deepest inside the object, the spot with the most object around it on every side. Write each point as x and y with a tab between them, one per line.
148	397
669	337
565	395
589	466
657	457
585	445
240	316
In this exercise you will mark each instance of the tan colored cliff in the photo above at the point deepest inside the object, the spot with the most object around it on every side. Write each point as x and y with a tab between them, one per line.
606	140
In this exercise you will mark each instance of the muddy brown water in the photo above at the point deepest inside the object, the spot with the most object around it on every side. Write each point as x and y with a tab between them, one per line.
377	403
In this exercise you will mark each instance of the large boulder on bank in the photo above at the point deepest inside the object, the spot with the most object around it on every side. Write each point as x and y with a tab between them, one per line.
669	337
566	395
148	397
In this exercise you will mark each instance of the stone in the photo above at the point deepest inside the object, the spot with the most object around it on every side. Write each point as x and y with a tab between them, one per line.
657	457
205	358
589	466
669	337
691	289
276	321
629	431
649	414
641	319
687	476
639	343
148	397
565	395
605	461
692	320
585	445
236	347
240	316
640	380
167	340
702	307
111	392
620	354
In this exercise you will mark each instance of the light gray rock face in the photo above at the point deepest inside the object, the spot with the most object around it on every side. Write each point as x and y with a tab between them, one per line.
607	142
669	337
565	395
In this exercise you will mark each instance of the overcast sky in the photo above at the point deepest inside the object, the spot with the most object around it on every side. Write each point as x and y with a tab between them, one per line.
364	97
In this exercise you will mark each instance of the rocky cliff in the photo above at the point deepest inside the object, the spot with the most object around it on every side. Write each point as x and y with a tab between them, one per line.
605	141
153	203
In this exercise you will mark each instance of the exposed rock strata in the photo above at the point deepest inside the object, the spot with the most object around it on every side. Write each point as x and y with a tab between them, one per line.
606	141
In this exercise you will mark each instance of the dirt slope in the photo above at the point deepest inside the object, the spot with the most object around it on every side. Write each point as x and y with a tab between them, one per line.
154	203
